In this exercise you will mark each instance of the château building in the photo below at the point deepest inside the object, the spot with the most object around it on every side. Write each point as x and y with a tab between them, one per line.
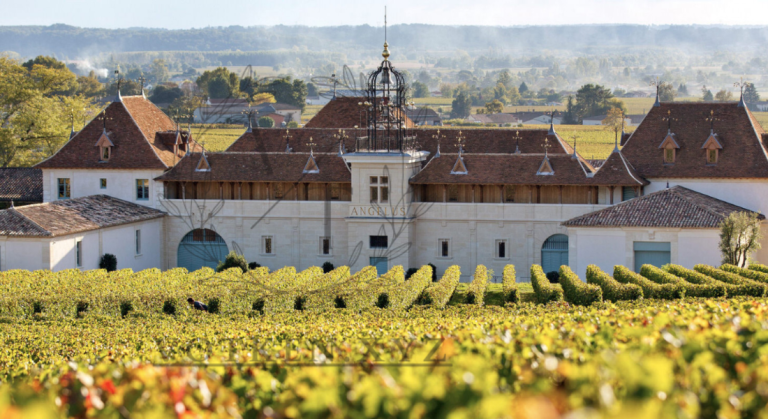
361	185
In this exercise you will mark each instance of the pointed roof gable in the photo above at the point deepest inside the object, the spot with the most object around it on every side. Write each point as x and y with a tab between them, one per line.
712	142
459	168
545	168
104	140
745	156
669	141
675	207
203	165
133	126
617	171
311	166
343	112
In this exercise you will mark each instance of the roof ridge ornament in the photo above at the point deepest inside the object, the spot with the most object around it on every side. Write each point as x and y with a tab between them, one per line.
741	84
574	156
311	166
249	112
552	122
341	137
385	53
288	137
141	80
438	137
119	80
517	139
459	168
72	117
658	84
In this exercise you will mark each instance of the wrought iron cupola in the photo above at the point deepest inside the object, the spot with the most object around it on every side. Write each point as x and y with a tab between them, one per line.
384	109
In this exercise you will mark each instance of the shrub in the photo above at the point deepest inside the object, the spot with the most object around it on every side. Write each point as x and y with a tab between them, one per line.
691	290
758	267
689	275
383	300
409	273
253	265
233	260
751	288
258	305
577	291
542	288
434	272
613	290
650	289
109	262
327	267
214	305
125	308
81	308
405	294
169	307
754	275
509	284
439	293
553	277
476	291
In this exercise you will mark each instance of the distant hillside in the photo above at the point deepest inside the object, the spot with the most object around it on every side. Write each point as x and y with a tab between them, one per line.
358	41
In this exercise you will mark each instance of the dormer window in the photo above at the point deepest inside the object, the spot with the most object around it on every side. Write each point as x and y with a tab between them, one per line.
669	147
105	147
105	153
712	148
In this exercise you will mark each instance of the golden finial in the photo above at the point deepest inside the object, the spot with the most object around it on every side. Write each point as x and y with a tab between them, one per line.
385	54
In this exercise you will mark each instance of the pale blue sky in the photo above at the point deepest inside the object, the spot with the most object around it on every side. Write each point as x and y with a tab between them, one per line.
178	14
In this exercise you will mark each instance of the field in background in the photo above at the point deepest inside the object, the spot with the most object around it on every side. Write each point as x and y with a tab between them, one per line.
216	137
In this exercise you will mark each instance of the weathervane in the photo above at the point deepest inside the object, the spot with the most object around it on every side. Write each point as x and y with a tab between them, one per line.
658	84
119	81
711	118
311	145
104	118
546	146
141	80
249	112
438	137
288	137
741	84
459	139
517	139
669	120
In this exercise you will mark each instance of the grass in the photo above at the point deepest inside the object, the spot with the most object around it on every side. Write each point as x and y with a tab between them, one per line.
216	137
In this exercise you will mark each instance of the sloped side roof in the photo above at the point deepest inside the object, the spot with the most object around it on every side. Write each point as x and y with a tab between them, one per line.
617	171
743	154
511	169
71	216
271	140
676	207
132	126
343	112
259	167
21	184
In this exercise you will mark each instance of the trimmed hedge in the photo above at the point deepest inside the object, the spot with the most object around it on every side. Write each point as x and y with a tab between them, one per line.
476	291
650	288
754	275
751	288
509	284
439	293
689	275
758	267
577	291
613	290
691	290
544	291
405	294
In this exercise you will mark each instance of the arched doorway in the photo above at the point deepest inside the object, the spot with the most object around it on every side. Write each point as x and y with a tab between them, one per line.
201	247
554	253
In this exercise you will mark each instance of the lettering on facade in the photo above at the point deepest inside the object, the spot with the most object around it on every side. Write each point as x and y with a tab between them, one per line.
378	212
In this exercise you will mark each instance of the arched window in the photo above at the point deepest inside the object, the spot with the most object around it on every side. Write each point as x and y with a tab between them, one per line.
554	253
201	247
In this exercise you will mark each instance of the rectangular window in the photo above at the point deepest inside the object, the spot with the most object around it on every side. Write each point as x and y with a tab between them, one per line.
444	248
142	189
138	242
379	188
374	194
509	193
102	183
267	245
712	156
669	155
64	189
627	193
105	153
325	245
374	180
501	249
384	194
378	242
453	193
79	253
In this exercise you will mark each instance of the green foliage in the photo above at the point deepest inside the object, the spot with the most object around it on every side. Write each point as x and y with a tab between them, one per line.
593	99
214	305
660	276
751	96
125	308
650	289
266	122
476	292
748	286
439	293
108	262
419	89
612	290
753	274
740	235
292	124
169	307
509	284
667	92
233	260
689	275
542	288
219	83
576	291
291	93
405	294
494	106
461	107
165	94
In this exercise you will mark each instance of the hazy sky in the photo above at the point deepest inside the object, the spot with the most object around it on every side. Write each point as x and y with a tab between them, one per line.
178	14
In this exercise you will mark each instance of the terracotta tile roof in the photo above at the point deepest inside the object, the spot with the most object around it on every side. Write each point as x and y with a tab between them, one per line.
513	169
274	140
71	216
259	167
21	184
675	207
617	171
342	112
132	126
743	154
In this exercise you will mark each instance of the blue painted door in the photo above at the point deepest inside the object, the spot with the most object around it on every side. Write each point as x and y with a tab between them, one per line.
554	253
381	264
652	253
199	248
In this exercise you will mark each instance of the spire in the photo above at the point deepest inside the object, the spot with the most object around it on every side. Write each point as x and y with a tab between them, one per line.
72	132
288	136
741	84
622	128
385	53
741	99
658	87
552	123
517	142
574	156
141	80
119	80
616	140
437	154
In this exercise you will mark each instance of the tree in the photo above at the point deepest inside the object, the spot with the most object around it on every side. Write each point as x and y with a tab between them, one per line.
266	122
260	98
233	260
164	94
667	92
593	99
750	94
682	90
461	106
740	235
446	90
569	117
614	120
707	95
420	89
89	86
184	107
159	71
249	85
724	96
494	106
231	78
292	124
127	88
108	262
312	89
284	91
523	88
505	78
